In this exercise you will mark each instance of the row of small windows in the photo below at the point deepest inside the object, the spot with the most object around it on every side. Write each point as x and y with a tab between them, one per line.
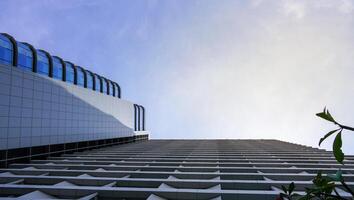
24	56
139	118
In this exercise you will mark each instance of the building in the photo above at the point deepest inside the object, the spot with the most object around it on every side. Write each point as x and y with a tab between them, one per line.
65	133
50	106
173	169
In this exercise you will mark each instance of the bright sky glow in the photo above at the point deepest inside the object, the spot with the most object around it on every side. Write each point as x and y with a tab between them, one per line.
209	68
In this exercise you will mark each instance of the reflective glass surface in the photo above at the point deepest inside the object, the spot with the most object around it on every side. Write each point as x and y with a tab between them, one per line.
70	75
25	57
57	69
97	83
89	80
104	86
117	91
6	51
80	77
112	90
42	63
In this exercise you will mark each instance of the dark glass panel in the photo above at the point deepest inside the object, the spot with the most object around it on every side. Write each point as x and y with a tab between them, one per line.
6	51
104	86
57	69
42	63
70	74
112	90
80	77
25	57
97	83
89	80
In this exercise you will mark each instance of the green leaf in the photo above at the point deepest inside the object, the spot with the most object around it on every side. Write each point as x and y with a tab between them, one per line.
326	115
330	117
326	136
332	177
291	187
339	175
337	145
284	189
336	177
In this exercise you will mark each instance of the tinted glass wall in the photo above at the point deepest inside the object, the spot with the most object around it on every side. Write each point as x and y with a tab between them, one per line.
139	118
6	50
104	86
25	56
80	77
70	72
42	63
97	83
57	68
117	88
112	90
89	80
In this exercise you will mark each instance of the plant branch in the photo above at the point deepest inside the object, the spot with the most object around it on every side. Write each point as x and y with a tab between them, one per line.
335	191
345	127
347	188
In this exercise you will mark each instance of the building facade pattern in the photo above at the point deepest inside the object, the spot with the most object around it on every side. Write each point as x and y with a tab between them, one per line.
50	106
26	57
37	110
173	169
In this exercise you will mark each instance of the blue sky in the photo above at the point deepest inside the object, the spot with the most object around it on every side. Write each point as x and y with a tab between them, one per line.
209	69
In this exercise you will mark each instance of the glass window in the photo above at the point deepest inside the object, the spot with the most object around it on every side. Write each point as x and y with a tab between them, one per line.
80	77
109	88
57	68
70	73
6	50
112	88
97	83
89	80
117	90
104	86
25	56
42	63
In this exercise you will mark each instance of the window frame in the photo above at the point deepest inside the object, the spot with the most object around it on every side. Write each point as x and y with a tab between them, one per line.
99	81
27	48
80	69
117	89
50	62
63	68
113	88
67	66
89	73
104	83
14	55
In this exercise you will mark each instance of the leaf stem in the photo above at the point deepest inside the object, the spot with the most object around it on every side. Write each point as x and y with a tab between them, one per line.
337	193
345	127
347	188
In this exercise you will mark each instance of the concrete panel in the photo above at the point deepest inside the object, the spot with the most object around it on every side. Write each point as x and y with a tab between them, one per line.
40	109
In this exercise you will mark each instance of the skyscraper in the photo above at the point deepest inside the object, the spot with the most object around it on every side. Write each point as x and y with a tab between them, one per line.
51	106
65	133
173	169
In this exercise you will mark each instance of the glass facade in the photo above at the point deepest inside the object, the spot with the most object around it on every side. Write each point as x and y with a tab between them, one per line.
97	83
57	68
111	88
80	77
117	89
69	72
25	56
89	80
6	51
42	63
104	86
